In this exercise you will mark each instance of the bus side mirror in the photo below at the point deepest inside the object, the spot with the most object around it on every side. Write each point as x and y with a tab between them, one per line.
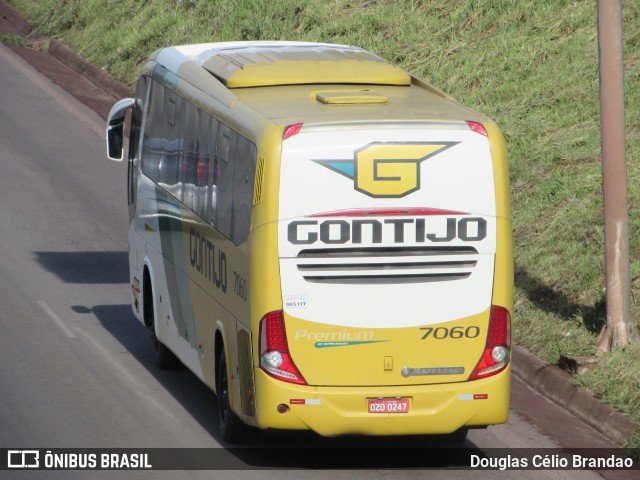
115	129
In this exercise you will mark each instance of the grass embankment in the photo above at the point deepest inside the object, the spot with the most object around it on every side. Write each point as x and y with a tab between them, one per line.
531	66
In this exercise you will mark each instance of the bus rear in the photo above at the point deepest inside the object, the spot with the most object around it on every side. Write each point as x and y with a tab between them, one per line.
395	263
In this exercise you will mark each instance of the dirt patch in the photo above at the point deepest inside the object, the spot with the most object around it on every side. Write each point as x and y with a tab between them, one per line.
89	84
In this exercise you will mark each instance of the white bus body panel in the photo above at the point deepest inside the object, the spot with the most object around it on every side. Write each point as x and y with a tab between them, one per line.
459	179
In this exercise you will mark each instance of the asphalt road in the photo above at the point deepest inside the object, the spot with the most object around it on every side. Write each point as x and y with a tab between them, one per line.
75	365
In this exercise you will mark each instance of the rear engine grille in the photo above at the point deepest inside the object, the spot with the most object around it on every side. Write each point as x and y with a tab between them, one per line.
387	265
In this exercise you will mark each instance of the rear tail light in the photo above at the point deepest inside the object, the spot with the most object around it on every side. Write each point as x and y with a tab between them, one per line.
275	358
497	352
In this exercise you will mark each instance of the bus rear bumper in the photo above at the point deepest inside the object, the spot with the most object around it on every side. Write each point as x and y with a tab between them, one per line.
332	411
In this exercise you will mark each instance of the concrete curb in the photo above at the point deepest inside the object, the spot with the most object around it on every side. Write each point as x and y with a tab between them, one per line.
560	387
64	54
555	384
96	75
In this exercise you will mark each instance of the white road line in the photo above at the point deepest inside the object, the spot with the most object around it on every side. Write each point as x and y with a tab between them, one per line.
56	319
123	373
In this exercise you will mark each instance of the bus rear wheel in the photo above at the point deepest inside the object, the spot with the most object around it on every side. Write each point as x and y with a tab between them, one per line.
232	429
163	358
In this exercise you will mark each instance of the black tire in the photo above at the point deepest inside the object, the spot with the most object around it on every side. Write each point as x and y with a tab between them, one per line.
232	429
163	358
456	438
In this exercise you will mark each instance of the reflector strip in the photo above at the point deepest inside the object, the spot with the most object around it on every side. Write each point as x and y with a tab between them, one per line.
304	401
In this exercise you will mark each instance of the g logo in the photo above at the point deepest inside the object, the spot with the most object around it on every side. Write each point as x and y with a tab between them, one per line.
387	170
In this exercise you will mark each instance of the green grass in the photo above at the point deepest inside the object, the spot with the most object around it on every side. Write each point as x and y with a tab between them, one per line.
13	39
531	66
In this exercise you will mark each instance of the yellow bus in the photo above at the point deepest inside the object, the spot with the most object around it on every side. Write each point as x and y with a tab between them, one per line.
322	238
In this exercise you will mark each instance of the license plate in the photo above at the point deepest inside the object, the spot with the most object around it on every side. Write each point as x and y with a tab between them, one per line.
387	405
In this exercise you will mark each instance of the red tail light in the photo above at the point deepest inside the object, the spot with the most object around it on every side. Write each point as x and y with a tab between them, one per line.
497	353
275	359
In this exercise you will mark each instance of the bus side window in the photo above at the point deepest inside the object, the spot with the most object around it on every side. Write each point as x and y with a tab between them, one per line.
212	179
190	153
244	175
152	143
203	165
134	140
168	175
224	165
136	118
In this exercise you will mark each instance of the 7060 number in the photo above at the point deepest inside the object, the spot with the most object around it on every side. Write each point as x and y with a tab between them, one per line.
440	333
240	286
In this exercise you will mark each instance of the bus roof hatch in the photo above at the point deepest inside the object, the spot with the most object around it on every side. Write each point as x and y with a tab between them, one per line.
261	65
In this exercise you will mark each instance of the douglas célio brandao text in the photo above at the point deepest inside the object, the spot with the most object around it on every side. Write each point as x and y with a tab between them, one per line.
574	461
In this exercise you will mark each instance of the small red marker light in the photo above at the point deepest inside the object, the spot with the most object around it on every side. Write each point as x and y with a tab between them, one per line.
291	130
478	128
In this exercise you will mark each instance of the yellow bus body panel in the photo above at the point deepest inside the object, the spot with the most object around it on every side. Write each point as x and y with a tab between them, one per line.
434	409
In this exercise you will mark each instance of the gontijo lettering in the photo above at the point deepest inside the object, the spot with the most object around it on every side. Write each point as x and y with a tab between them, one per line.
396	230
208	260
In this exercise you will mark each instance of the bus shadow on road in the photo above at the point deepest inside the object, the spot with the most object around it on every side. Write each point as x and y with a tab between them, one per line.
87	267
268	457
306	450
185	387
